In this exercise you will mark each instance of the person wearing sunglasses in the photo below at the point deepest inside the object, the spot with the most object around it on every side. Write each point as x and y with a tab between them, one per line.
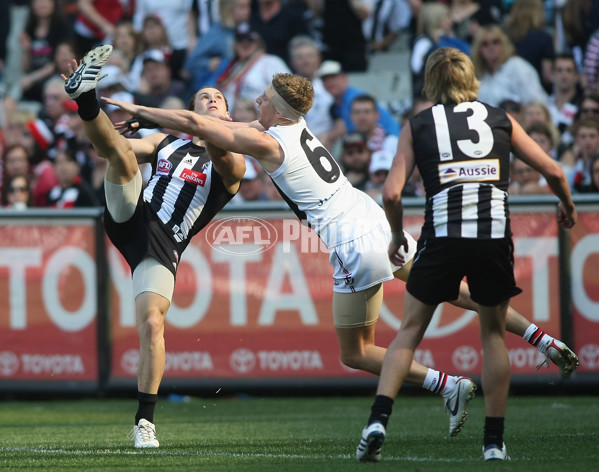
503	75
18	192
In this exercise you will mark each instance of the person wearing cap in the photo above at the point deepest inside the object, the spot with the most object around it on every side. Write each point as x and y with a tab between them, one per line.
305	59
250	70
336	82
157	76
355	159
351	224
217	44
152	226
378	170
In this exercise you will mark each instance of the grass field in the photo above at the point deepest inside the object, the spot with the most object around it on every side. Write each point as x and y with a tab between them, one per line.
293	434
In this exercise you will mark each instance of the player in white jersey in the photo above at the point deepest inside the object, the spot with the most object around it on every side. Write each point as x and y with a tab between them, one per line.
152	228
349	222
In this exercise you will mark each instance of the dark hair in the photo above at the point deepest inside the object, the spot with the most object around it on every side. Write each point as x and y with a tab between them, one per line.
192	100
8	183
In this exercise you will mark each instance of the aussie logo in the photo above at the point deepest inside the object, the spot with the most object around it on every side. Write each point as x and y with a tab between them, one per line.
470	171
193	176
164	167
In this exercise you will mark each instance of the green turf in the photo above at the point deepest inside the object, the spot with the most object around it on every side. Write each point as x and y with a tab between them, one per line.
293	434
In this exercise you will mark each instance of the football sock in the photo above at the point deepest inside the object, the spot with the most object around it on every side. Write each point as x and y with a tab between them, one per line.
145	408
89	106
494	430
381	409
439	382
537	337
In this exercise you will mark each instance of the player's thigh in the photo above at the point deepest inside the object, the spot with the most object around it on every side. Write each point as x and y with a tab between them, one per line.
358	309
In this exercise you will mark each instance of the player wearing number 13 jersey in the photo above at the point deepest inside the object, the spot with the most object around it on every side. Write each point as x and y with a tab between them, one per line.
466	183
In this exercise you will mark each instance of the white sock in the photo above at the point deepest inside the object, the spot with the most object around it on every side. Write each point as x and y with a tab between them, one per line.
439	382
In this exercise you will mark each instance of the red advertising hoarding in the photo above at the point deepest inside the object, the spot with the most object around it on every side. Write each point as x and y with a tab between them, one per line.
253	301
48	299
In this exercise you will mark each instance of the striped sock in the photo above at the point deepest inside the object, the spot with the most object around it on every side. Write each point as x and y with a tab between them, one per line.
439	382
537	337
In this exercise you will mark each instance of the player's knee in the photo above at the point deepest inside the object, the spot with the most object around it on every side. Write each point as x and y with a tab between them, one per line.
352	359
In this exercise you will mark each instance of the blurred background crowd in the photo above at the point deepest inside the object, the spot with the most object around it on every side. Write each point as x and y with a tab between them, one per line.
537	60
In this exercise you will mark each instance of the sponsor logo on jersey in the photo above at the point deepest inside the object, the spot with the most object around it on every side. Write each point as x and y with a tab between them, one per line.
193	176
483	170
164	167
188	159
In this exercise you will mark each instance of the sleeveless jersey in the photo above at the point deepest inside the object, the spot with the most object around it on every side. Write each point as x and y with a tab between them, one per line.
184	192
463	155
312	183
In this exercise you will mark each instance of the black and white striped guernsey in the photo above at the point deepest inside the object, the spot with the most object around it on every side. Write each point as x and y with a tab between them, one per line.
185	191
463	155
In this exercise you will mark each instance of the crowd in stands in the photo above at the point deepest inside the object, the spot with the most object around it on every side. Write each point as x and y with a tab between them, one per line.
537	60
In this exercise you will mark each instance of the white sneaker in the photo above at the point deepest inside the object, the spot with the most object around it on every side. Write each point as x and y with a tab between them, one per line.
562	356
456	404
369	449
144	434
492	452
87	74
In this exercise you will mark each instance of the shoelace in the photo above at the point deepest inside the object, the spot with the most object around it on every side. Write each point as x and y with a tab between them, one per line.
147	434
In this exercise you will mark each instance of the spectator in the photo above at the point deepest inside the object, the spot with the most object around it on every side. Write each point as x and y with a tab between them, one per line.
251	69
525	28
544	137
514	109
176	17
365	117
384	25
305	61
586	140
355	160
277	23
72	191
591	63
18	192
128	41
589	106
525	180
217	45
380	164
336	82
566	92
160	84
15	161
574	24
501	73
434	31
536	111
342	34
43	175
467	16
593	186
96	22
252	185
45	28
206	14
244	110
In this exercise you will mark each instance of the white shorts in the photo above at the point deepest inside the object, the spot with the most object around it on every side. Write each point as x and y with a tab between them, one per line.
363	262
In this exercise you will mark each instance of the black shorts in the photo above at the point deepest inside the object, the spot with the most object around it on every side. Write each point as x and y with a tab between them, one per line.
440	265
144	235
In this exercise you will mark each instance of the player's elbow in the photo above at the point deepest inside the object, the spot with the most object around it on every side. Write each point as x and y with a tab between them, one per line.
391	195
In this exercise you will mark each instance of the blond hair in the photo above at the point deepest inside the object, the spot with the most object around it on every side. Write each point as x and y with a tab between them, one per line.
507	48
449	77
297	91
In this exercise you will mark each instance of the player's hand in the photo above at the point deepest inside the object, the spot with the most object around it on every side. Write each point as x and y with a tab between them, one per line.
566	217
71	67
398	249
134	125
130	108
